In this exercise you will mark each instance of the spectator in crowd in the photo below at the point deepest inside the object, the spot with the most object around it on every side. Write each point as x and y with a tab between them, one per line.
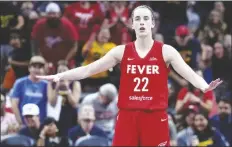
189	48
227	44
30	17
29	89
171	97
223	120
8	121
214	29
221	68
54	34
219	6
118	22
184	137
30	114
11	19
84	16
206	135
19	58
95	48
105	105
205	62
192	96
103	7
69	92
49	135
193	17
172	130
172	14
86	126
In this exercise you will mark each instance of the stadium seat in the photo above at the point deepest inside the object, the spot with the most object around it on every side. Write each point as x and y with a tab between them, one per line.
92	141
17	140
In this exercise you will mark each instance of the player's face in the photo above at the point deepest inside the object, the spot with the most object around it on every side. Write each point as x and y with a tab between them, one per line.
142	22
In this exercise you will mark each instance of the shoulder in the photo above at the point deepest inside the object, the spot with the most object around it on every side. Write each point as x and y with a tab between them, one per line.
214	118
23	130
44	81
111	44
98	129
183	132
117	52
90	98
21	80
66	22
41	21
169	52
74	129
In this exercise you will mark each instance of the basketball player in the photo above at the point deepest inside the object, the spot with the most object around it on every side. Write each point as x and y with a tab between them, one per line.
143	95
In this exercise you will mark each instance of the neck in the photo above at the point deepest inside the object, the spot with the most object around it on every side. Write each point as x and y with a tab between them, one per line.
144	42
33	78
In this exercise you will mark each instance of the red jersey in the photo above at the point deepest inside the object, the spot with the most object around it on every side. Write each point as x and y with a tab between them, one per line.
83	19
120	31
54	40
144	81
204	96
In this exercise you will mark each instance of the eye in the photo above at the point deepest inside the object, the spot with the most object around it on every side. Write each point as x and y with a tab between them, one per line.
146	18
137	18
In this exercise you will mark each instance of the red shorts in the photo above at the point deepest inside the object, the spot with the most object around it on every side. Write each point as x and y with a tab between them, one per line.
141	128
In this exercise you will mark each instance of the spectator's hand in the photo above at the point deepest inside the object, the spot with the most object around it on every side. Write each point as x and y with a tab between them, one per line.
96	28
194	99
13	128
195	141
44	131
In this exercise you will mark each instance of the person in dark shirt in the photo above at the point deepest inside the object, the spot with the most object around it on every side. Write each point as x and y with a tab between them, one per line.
223	120
31	116
18	57
189	48
11	18
49	135
86	126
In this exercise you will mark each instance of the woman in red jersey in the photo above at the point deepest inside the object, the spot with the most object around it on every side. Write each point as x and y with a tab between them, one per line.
142	102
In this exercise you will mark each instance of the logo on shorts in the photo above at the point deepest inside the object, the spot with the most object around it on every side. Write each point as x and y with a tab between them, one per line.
163	143
163	119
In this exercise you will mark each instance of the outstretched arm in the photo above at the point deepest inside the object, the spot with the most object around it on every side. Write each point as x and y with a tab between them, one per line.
171	56
108	61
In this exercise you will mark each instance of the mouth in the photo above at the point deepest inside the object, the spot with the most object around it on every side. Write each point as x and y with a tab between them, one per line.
142	29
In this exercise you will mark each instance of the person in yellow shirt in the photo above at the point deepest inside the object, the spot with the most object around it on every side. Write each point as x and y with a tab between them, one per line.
95	48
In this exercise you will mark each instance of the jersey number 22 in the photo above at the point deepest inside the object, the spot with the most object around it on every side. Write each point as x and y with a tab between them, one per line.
138	81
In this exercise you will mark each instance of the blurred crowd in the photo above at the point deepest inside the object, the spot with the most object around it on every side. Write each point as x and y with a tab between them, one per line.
40	38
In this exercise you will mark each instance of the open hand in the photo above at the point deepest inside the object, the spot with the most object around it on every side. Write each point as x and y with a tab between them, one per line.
213	85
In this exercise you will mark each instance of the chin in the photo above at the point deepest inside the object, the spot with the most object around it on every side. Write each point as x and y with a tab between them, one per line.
142	35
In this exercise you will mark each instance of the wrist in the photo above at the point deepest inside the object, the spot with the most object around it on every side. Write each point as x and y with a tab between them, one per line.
60	76
41	135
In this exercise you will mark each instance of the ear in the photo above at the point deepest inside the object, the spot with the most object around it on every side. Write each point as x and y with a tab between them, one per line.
132	26
153	24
